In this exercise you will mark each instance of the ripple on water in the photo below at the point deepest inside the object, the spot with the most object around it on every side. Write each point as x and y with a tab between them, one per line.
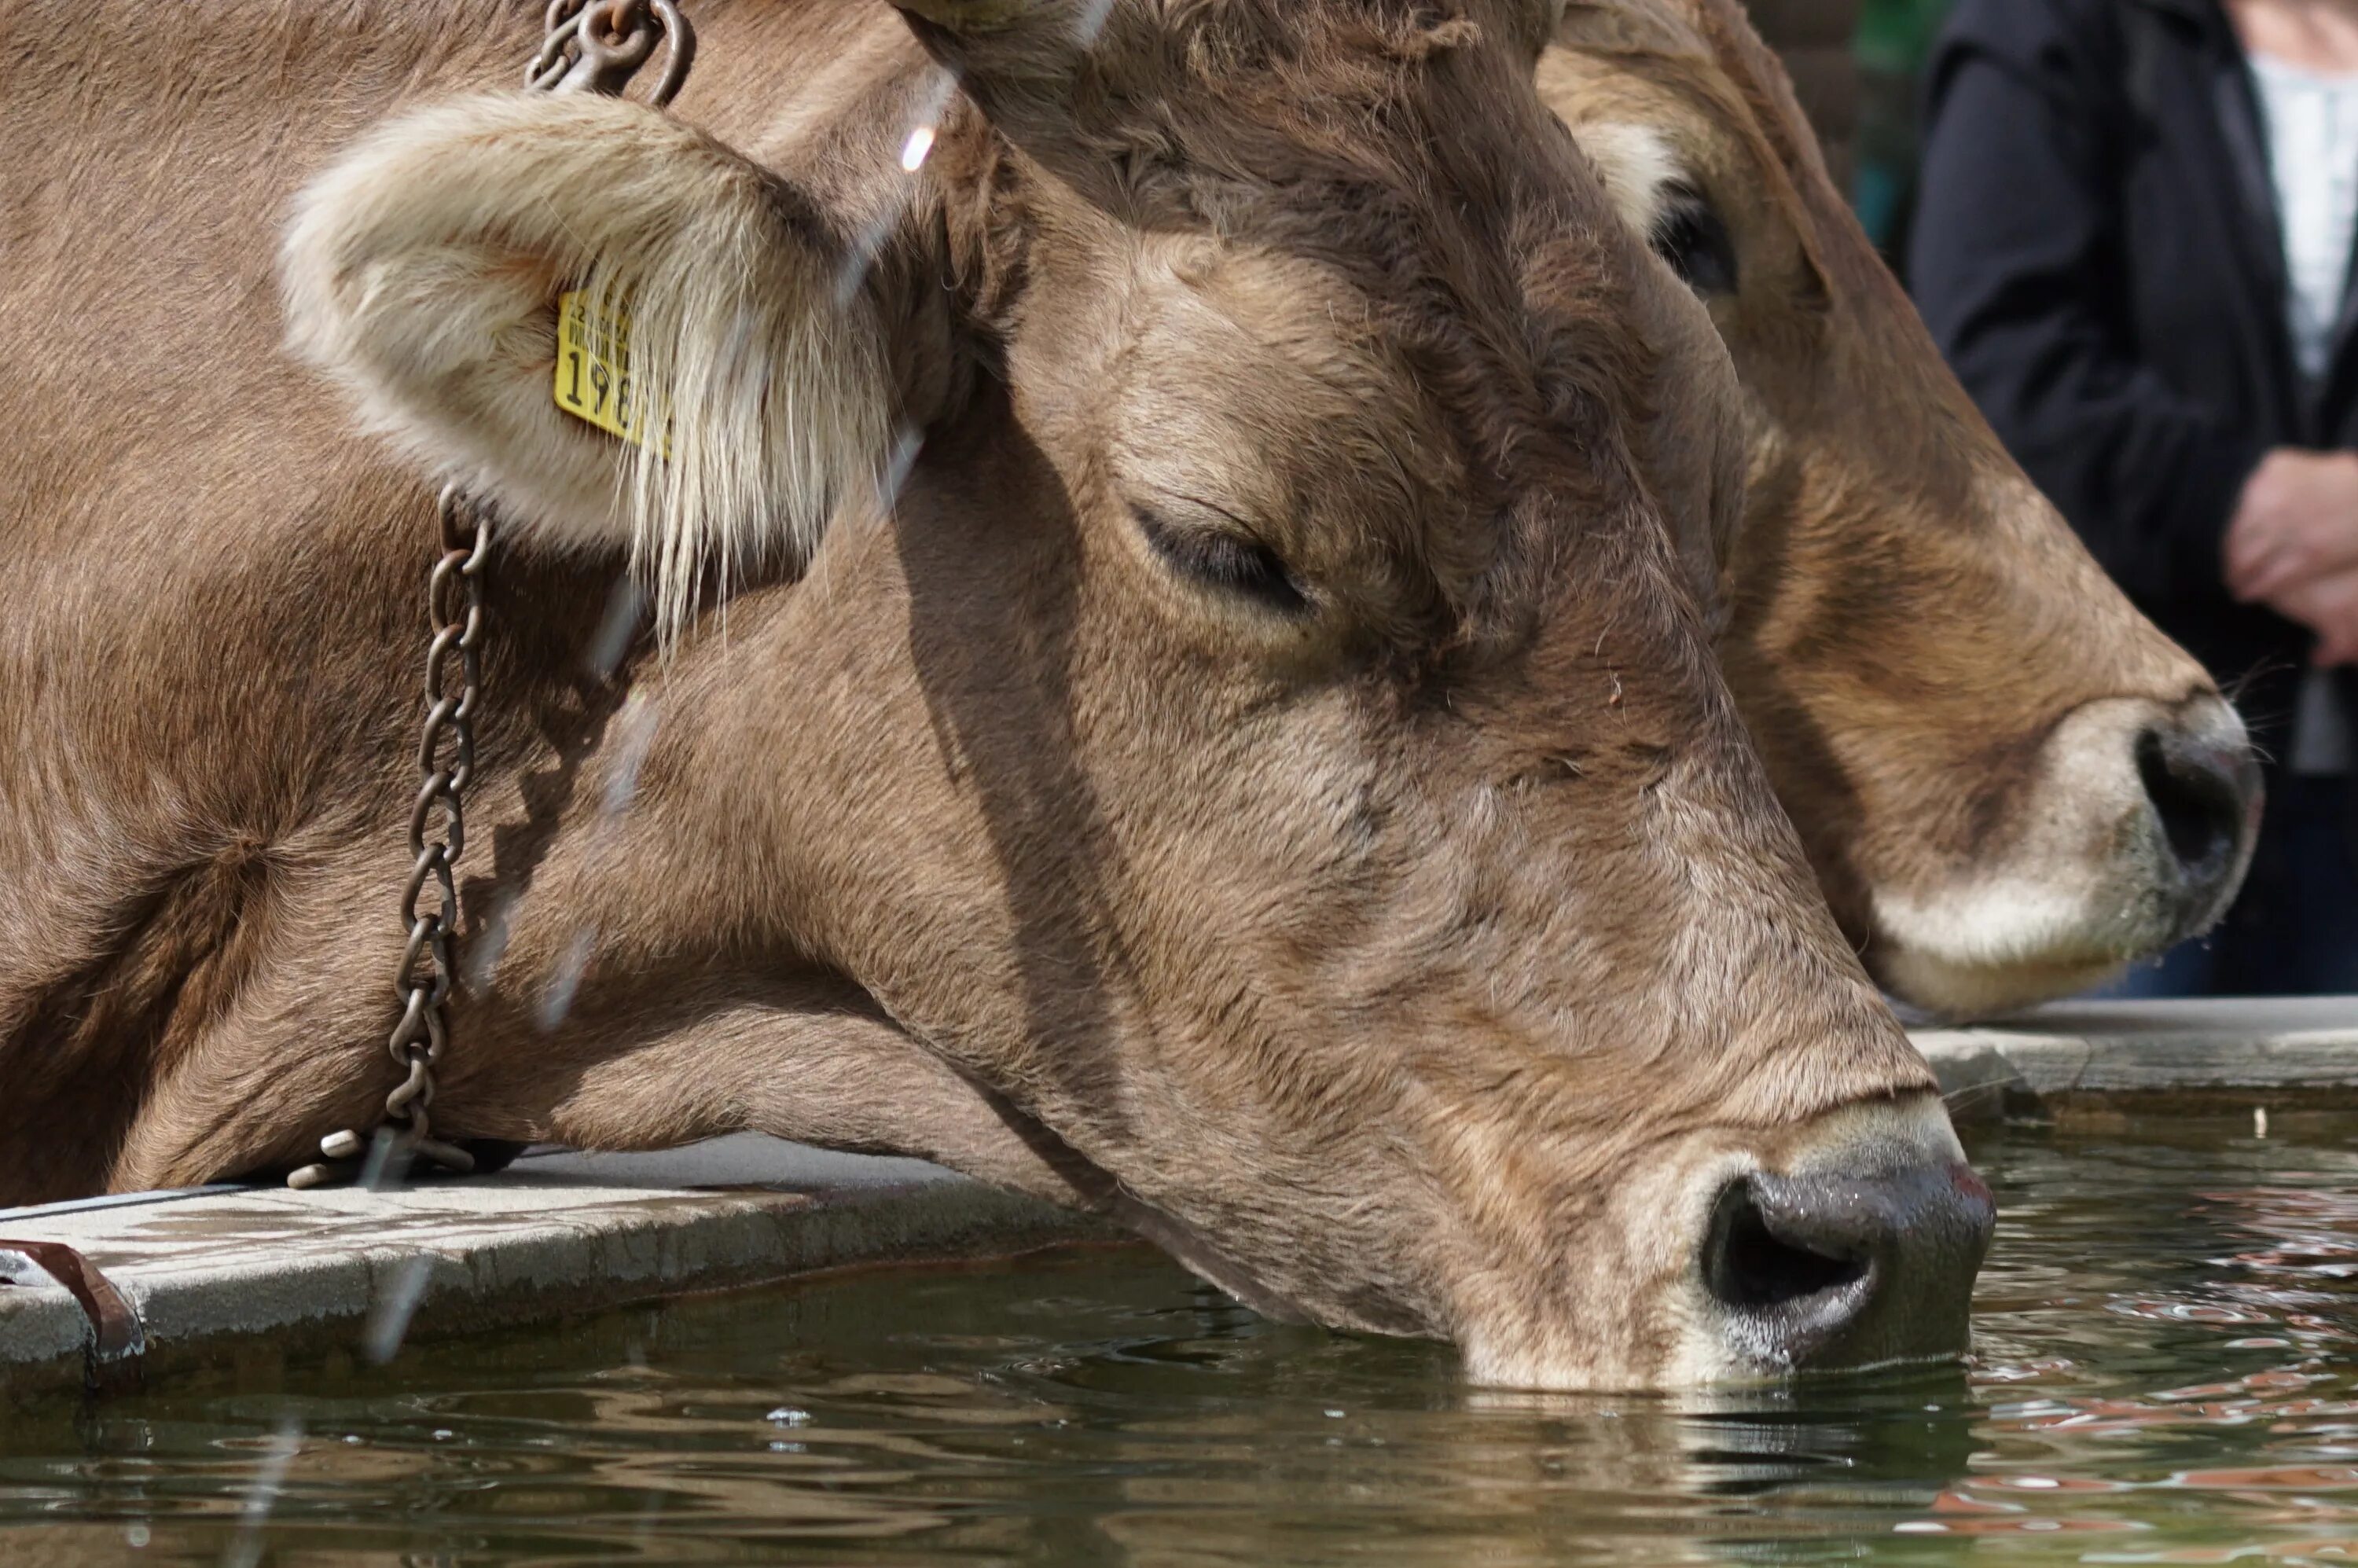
2161	1375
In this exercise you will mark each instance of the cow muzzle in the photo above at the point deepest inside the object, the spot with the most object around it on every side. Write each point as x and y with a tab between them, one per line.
1859	1266
2131	832
2201	784
2144	816
1846	1241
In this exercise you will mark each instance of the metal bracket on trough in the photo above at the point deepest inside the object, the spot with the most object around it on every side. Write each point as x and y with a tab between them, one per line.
117	1339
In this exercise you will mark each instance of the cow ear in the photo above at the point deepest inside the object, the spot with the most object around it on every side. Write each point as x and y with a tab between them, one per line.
424	271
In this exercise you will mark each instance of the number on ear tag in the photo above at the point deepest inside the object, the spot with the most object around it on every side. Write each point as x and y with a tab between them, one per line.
593	372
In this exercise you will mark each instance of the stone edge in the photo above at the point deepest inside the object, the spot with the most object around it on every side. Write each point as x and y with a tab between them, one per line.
479	1277
1996	1071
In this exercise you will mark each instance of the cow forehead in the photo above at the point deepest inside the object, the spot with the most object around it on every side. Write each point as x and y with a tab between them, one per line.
1418	102
1279	379
1388	456
1404	147
1496	308
1379	296
1693	73
1670	115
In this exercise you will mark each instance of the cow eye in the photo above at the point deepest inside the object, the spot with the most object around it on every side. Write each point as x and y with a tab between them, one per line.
1228	562
1690	237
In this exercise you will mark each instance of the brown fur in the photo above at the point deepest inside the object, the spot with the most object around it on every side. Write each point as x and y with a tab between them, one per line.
1424	962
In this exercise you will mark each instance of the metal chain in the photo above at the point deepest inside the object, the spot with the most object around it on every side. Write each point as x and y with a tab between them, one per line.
446	764
594	45
597	46
438	837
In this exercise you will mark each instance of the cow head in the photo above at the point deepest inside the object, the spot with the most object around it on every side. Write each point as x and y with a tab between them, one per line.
1264	732
2010	781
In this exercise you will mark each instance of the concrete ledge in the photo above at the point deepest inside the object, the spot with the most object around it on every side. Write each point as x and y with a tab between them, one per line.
2172	1056
224	1276
212	1276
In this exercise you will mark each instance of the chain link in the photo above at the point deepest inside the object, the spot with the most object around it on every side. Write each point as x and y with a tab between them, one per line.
445	762
438	837
594	45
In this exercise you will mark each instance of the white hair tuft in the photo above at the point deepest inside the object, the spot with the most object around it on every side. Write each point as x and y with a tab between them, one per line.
422	271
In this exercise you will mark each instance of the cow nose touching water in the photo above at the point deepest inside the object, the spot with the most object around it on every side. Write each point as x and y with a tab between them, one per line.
1216	718
1853	1254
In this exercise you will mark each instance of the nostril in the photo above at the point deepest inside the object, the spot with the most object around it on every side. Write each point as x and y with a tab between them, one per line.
1748	1266
2198	798
1868	1260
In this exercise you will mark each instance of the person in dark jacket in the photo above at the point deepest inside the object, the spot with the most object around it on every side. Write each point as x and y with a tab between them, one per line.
2133	243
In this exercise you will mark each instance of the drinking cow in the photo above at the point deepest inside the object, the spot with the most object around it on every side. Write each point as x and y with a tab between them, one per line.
1258	763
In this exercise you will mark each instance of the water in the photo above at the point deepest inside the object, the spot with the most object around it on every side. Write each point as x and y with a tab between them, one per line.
2165	1372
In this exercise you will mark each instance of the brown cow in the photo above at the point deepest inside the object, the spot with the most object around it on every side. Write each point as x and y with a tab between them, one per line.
1263	747
2009	783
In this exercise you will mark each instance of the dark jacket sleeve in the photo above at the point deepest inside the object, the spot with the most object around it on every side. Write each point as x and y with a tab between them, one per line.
2017	264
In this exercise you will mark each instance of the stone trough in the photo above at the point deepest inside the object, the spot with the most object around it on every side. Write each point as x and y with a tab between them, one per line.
220	1277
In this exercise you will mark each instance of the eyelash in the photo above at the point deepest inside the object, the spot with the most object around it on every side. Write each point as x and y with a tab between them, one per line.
1226	562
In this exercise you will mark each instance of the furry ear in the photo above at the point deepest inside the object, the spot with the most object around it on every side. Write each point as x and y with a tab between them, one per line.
423	269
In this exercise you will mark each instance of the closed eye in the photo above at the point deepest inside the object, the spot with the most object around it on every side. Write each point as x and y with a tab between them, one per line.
1690	237
1226	561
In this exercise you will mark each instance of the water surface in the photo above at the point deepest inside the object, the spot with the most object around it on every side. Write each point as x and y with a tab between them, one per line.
2164	1372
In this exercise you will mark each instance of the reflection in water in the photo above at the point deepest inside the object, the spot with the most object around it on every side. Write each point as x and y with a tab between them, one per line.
2163	1374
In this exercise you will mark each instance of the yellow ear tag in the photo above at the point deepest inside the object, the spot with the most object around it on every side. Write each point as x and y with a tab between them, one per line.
593	371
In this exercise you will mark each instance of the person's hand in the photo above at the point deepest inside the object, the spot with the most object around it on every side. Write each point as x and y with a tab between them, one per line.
2296	521
2328	606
